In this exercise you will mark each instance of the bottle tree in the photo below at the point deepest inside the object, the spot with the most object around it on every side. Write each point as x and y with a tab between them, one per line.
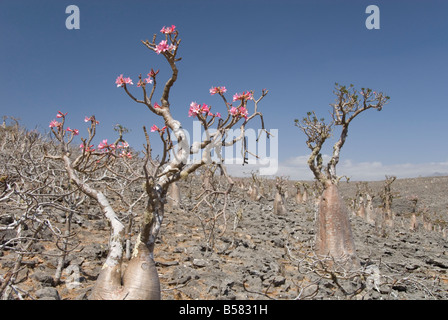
140	280
334	237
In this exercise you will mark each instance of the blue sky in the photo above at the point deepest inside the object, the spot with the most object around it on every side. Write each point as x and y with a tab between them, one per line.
296	49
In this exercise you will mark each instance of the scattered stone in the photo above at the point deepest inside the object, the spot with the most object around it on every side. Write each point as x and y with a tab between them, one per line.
44	278
200	263
47	293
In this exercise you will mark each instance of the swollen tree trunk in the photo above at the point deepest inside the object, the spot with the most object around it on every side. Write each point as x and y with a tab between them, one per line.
174	196
140	281
334	234
299	197
279	204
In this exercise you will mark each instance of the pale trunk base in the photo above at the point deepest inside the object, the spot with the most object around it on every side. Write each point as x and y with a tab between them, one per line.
334	233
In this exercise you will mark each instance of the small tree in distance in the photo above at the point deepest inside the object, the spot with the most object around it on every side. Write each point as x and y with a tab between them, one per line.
334	235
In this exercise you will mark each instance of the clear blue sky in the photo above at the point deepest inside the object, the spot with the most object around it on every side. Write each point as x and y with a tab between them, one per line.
296	49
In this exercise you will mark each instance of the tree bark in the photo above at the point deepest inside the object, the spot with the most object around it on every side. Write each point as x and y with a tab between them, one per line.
334	233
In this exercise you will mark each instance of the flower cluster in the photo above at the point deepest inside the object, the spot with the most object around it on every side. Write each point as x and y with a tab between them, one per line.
196	109
163	46
121	81
105	147
61	115
74	131
87	149
92	119
55	124
243	96
168	30
239	112
219	90
154	128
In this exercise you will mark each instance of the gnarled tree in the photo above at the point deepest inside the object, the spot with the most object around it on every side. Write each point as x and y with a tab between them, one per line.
140	279
334	235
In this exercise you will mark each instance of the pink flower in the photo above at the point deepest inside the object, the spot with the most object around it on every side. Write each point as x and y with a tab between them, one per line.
205	108
194	109
220	90
74	131
88	149
103	144
157	106
162	47
243	96
148	80
54	124
121	81
123	145
127	155
217	114
239	112
243	112
61	115
168	30
92	118
154	128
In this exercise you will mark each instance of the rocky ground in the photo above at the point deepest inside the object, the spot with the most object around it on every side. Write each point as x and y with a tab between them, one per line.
264	256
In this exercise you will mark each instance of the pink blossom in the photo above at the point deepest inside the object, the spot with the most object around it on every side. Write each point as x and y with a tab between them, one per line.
194	109
148	80
123	145
220	90
74	131
120	81
88	149
92	118
205	108
243	112
239	112
154	128
168	30
54	123
162	47
61	115
217	114
127	155
243	96
103	144
157	106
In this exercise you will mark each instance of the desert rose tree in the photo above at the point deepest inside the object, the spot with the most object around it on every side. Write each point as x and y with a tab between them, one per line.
334	236
140	279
